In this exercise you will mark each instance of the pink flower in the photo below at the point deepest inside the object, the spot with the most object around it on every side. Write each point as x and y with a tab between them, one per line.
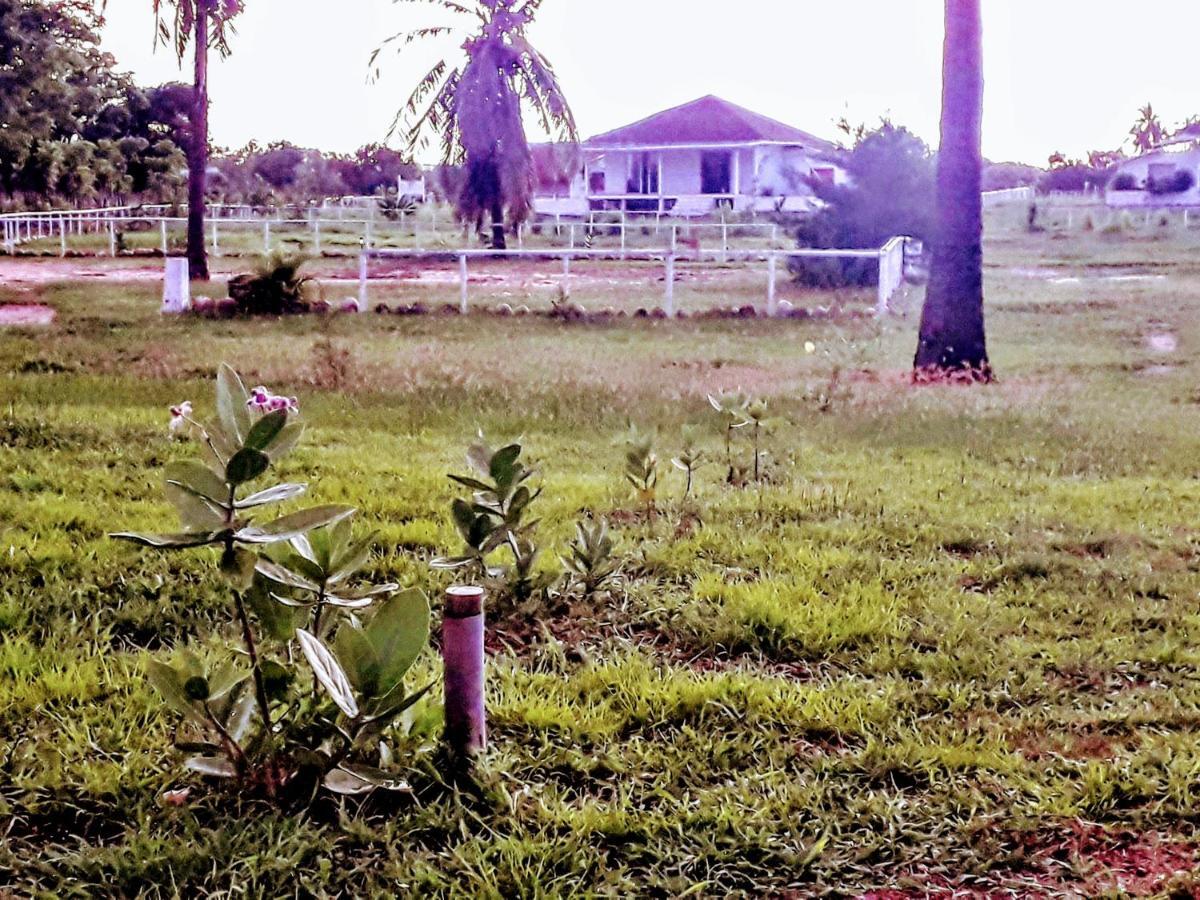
263	401
179	416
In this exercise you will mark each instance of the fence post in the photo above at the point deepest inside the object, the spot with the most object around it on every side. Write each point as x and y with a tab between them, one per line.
674	237
266	236
724	239
162	232
317	235
772	306
622	236
669	295
362	280
463	299
566	265
463	661
62	237
572	227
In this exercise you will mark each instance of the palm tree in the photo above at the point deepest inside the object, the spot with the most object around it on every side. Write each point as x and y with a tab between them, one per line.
472	103
204	25
1147	132
952	342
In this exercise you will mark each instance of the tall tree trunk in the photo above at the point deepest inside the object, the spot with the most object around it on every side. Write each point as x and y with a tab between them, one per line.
952	341
198	152
499	241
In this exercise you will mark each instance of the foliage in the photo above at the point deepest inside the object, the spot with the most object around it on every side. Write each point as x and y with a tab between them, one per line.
1179	182
1005	176
472	105
890	192
756	421
641	468
592	559
251	719
1124	182
1147	131
690	457
731	407
494	516
277	288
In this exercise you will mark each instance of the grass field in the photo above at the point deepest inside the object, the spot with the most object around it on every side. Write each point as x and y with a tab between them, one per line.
949	644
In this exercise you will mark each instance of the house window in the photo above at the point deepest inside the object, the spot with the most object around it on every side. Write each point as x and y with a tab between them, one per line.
596	183
716	172
824	174
643	178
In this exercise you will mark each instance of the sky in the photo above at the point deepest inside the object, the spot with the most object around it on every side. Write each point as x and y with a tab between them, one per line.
1061	75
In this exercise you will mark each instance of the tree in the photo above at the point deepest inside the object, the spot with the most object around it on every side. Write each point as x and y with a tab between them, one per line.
473	104
203	25
1147	132
952	342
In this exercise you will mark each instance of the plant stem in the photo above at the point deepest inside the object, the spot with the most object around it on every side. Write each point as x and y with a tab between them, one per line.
232	747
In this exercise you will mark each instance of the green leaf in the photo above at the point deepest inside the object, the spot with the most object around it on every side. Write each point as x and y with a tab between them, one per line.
284	576
213	766
357	656
294	525
502	467
231	403
277	621
198	479
241	716
287	440
351	558
398	632
389	711
237	565
225	679
479	458
277	679
328	673
196	513
266	429
170	684
472	483
348	779
246	465
277	494
180	541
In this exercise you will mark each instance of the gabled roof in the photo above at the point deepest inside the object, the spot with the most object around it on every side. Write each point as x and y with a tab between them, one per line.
1184	135
709	120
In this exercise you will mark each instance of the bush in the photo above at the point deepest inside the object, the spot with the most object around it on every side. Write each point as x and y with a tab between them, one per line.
1179	182
1124	182
891	192
276	289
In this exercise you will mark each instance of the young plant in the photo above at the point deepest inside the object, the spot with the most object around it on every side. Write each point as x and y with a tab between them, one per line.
494	516
757	422
731	407
592	560
641	468
250	718
690	458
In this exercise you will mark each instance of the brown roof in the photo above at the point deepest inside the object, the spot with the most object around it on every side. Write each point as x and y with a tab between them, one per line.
709	120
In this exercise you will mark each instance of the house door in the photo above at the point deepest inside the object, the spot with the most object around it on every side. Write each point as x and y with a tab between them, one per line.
716	172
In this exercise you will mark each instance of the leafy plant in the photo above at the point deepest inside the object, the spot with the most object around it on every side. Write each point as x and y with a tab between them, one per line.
756	421
251	718
641	468
494	516
690	458
591	559
731	406
276	288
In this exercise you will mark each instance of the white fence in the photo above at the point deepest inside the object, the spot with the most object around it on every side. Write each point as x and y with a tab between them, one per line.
1009	195
891	259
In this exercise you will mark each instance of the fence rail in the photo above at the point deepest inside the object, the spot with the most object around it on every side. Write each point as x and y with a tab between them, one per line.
891	259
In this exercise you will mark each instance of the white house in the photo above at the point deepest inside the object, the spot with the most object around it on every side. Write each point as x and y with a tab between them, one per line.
1168	176
695	158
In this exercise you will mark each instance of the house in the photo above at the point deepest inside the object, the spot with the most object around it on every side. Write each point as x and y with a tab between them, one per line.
694	159
1167	176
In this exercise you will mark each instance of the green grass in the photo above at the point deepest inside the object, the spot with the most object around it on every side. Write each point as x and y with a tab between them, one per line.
951	626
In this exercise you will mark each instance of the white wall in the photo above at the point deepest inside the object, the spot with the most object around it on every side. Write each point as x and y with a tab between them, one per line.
1140	170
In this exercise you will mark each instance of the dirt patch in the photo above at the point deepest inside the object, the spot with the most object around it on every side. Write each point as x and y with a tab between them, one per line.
23	315
22	272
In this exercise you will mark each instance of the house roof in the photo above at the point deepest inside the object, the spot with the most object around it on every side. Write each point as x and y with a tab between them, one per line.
709	120
1184	135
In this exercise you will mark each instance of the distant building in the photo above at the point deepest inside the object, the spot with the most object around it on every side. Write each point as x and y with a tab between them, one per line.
693	159
1169	175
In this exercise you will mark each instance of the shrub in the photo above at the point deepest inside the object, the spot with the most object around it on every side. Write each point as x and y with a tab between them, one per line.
1179	182
1124	182
275	289
251	717
891	191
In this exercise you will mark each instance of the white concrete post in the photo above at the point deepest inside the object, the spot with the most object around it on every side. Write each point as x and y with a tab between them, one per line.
772	306
216	236
463	299
112	238
176	287
521	236
566	265
317	235
362	281
724	239
572	243
674	237
622	235
162	232
367	233
62	237
669	295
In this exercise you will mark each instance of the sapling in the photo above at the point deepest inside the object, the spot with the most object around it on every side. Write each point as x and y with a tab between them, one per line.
690	458
731	407
641	468
756	421
289	577
592	559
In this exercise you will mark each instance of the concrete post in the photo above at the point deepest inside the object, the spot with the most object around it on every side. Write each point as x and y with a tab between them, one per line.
62	237
772	305
317	236
162	233
176	287
112	238
463	299
669	296
463	660
362	280
216	236
266	236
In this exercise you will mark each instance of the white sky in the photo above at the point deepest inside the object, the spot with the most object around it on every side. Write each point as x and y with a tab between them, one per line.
1061	74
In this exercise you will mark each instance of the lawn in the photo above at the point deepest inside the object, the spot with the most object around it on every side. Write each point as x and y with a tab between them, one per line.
949	642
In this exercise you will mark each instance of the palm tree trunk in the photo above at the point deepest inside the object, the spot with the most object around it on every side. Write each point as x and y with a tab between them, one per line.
499	242
198	151
952	341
